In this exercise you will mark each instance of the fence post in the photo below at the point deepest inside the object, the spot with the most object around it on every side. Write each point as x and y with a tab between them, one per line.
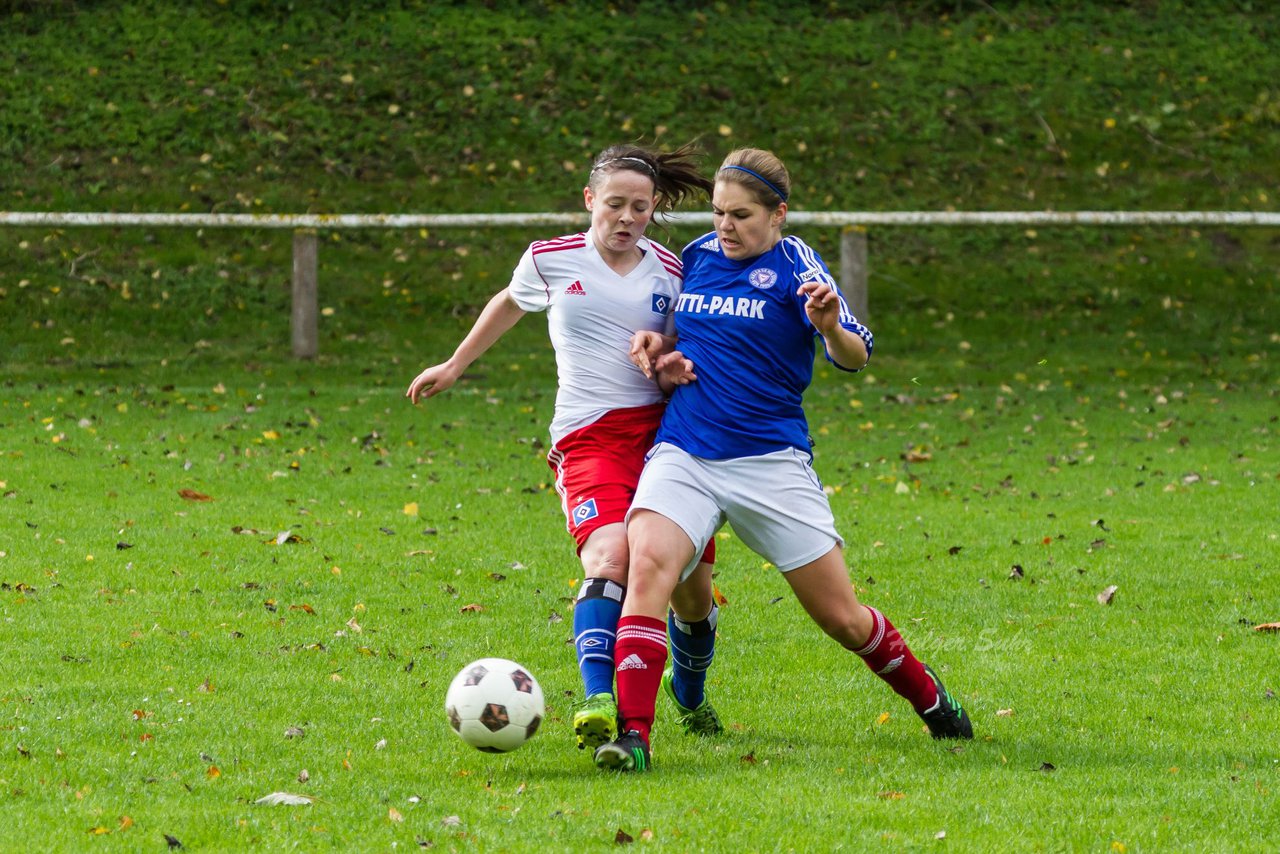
853	269
303	320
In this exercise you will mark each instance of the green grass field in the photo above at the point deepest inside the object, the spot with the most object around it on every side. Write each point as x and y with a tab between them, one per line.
220	567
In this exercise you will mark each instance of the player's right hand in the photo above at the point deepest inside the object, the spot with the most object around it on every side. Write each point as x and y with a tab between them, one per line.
431	382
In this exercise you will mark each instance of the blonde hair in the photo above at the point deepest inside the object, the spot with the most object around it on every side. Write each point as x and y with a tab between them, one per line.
761	172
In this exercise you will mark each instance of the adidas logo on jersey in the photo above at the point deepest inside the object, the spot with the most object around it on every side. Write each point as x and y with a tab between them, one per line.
632	662
576	289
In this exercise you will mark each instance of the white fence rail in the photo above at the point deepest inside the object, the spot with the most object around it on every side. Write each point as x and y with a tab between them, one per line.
852	268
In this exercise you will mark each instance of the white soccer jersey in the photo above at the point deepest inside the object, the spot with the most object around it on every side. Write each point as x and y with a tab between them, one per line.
592	313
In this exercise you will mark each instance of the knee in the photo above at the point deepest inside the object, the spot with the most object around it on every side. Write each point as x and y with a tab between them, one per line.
850	628
612	567
605	557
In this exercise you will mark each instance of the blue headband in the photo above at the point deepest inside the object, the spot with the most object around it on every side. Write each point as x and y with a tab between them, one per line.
758	177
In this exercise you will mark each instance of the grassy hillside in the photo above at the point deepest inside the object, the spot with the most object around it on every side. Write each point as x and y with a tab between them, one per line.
446	107
483	106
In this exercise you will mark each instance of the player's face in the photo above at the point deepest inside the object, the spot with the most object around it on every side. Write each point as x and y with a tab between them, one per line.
621	208
745	227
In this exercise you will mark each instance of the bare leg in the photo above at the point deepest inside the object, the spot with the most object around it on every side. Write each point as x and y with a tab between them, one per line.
824	589
826	593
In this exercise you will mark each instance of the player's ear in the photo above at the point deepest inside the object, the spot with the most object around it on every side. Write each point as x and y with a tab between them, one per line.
779	215
588	197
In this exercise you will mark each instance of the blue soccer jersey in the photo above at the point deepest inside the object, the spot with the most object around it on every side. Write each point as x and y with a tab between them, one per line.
743	326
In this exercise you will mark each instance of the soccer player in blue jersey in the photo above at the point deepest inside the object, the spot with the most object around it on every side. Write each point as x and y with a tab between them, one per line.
597	287
734	446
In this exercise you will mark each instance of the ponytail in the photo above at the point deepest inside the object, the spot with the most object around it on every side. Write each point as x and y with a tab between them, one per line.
675	174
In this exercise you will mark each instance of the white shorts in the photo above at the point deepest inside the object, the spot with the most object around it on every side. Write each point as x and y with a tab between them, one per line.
773	502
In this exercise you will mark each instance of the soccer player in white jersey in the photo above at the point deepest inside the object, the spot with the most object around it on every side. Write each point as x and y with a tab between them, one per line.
597	288
734	446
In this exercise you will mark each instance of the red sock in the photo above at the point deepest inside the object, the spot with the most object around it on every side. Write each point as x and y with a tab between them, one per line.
639	656
887	655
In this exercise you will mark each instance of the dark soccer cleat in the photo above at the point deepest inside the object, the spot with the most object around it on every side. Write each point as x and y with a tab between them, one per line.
700	721
629	753
946	718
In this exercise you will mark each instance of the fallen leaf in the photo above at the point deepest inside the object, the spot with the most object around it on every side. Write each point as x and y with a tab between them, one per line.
172	841
472	608
192	495
284	799
622	837
1004	713
450	821
393	814
890	796
719	597
1015	572
884	716
411	509
213	772
295	732
1107	595
1048	766
1267	627
750	758
354	626
303	776
125	822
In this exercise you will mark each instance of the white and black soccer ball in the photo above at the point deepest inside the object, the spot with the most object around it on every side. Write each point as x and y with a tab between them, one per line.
494	705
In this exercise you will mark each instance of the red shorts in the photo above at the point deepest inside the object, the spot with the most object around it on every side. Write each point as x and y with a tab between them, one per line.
598	466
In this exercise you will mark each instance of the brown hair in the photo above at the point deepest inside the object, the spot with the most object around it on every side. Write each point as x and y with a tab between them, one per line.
760	171
675	174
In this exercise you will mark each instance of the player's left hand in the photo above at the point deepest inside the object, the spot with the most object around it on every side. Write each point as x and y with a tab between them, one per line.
675	369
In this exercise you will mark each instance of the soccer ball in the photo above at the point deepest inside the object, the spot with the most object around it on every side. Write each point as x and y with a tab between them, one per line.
494	705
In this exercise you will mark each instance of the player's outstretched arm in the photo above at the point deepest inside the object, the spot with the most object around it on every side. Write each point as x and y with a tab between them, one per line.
498	316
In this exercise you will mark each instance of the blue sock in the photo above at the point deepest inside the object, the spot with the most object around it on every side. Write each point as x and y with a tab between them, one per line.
595	629
692	648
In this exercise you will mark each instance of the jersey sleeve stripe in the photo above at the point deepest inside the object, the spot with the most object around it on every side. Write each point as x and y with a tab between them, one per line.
569	241
809	261
667	259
